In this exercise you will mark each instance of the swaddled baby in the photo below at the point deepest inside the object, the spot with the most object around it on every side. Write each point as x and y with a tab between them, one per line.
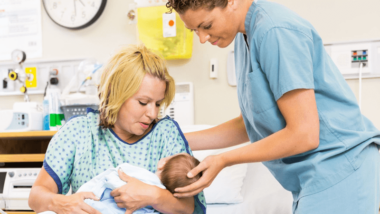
173	175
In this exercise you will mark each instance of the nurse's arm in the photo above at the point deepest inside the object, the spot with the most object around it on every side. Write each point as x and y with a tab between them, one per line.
227	134
44	197
301	134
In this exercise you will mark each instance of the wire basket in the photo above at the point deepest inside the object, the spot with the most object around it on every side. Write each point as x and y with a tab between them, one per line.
76	110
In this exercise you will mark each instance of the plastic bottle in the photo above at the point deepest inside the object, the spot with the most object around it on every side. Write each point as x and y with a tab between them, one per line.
56	117
45	116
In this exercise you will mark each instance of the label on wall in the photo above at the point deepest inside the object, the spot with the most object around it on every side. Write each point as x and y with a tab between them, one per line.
20	28
169	25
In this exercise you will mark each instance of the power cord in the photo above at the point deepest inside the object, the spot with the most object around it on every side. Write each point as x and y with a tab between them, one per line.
360	85
362	64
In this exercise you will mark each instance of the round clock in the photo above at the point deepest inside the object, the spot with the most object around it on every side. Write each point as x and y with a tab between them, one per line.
74	14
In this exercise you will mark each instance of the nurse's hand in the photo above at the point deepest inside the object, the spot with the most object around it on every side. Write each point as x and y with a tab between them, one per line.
210	166
74	204
134	195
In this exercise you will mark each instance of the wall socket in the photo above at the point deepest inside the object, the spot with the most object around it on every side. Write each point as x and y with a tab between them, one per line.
213	68
348	56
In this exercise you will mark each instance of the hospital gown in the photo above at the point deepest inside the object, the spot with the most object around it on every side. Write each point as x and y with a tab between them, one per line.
81	150
102	185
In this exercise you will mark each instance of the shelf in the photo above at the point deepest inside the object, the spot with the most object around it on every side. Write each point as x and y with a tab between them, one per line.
19	212
22	158
30	134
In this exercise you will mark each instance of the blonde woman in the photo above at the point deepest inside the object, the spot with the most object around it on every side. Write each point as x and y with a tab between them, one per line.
124	130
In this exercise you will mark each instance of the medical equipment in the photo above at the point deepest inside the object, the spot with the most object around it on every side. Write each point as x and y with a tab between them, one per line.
359	60
17	74
162	31
15	186
67	69
182	107
88	77
76	110
25	116
348	56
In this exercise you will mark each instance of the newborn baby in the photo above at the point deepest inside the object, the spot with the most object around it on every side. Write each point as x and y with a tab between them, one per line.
173	174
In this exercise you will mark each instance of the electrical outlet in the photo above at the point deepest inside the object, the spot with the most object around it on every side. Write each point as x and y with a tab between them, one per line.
348	56
359	56
31	77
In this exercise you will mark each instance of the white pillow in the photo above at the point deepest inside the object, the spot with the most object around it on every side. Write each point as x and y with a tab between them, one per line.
226	187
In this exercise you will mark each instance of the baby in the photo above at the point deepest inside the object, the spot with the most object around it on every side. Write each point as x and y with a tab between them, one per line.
173	174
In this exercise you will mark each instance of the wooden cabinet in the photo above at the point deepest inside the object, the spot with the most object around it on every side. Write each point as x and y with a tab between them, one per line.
24	149
24	146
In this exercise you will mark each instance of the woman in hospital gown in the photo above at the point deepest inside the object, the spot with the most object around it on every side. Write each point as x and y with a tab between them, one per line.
126	130
296	108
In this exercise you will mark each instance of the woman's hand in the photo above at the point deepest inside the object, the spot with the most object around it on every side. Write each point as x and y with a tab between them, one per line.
134	195
210	167
74	204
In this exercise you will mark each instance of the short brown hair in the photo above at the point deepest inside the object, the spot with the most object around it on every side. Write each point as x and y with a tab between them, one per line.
174	173
181	6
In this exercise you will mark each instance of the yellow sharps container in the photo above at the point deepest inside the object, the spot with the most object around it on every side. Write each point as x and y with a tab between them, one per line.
163	32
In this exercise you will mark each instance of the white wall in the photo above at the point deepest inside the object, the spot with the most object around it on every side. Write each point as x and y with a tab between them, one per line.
215	100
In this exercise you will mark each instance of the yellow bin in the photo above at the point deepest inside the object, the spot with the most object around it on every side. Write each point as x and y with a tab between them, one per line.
150	30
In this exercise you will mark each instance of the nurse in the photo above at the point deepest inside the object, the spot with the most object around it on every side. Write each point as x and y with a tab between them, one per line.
296	108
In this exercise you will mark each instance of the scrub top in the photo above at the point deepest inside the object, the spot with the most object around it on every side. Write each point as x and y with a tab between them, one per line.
283	52
82	150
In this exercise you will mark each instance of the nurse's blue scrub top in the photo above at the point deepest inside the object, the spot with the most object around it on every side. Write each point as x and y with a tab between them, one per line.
285	53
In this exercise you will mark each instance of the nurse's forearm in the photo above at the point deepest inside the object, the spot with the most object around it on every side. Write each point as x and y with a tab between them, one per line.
281	144
165	202
224	135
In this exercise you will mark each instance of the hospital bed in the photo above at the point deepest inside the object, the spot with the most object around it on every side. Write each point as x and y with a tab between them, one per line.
260	191
262	194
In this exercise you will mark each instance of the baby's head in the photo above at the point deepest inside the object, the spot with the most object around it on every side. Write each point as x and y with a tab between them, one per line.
174	172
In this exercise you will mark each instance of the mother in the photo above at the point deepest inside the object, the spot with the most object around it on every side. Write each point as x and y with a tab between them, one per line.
125	130
296	107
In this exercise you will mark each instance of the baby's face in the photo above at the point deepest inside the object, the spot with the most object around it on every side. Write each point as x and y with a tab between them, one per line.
162	162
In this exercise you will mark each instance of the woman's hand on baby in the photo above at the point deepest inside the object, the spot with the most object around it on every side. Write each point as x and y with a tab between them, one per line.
210	167
74	204
134	195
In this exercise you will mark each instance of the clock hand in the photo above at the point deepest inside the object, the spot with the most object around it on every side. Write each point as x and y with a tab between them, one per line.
81	2
75	8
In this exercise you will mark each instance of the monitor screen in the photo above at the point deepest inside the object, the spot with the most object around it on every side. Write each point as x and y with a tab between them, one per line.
2	181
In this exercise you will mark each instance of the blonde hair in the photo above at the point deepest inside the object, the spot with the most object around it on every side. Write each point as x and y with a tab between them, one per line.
122	78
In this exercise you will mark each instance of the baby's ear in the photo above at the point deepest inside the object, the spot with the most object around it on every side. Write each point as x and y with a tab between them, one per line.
162	163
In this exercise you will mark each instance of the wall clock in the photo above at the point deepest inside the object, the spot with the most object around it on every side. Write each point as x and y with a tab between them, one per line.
74	14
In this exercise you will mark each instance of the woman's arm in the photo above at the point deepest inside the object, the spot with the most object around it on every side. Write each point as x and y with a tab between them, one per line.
301	134
136	194
44	197
228	134
165	202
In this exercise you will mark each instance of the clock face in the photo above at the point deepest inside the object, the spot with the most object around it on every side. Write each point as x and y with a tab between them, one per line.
74	14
